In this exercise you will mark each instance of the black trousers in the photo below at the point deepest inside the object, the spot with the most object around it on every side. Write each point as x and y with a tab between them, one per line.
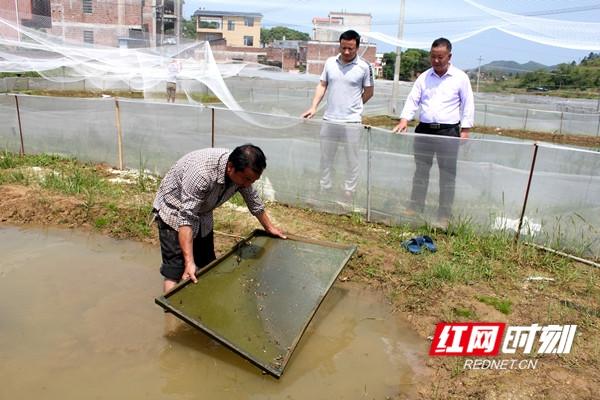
446	152
172	266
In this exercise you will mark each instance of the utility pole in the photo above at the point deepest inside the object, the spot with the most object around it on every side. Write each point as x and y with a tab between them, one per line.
17	20
142	20
282	45
478	74
396	85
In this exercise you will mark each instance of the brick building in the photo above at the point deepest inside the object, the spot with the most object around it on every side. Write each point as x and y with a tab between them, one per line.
318	52
124	23
29	13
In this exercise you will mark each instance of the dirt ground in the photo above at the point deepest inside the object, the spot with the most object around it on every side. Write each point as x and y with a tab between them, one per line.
573	297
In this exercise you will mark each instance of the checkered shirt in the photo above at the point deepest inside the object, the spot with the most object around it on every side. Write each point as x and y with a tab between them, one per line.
195	186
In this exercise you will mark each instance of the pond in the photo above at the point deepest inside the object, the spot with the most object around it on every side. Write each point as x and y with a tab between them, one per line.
78	320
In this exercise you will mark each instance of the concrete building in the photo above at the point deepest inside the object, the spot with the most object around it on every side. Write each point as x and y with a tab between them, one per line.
326	40
328	29
124	23
238	29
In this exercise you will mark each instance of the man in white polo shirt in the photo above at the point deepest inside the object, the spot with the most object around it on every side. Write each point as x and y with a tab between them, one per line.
348	81
444	95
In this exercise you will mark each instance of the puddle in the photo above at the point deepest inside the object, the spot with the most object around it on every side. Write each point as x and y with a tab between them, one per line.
78	320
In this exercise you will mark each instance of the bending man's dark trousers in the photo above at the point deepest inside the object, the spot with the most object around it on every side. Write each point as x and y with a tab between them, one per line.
446	152
172	266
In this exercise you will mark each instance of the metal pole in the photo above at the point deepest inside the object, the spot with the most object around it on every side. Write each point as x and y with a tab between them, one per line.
478	74
396	85
560	253
368	128
142	19
212	127
562	114
485	115
535	150
22	149
526	115
598	128
17	20
119	133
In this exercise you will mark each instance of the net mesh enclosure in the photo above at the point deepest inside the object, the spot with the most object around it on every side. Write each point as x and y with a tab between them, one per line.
259	298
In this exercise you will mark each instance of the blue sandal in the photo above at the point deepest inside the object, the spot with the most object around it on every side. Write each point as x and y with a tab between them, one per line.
429	244
413	245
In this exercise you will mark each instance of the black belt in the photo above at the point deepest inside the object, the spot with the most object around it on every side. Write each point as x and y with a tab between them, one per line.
438	126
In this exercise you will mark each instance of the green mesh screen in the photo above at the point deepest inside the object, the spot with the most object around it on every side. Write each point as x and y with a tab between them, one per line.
259	298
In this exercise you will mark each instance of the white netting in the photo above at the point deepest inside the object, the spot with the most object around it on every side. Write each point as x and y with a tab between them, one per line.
102	68
491	180
553	32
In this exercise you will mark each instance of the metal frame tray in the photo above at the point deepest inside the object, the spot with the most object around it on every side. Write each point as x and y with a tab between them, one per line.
259	298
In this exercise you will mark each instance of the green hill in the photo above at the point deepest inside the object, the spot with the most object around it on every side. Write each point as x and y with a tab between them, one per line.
513	67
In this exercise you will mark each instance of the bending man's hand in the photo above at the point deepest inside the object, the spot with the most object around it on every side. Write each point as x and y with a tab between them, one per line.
186	242
190	272
276	232
264	220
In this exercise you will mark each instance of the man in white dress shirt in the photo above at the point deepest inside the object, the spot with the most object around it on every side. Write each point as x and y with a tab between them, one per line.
445	97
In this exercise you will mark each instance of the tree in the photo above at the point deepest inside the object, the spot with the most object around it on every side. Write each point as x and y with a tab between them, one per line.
590	58
388	61
188	28
412	62
279	32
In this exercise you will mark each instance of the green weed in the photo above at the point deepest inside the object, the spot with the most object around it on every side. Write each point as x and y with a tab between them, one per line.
464	313
237	199
372	272
502	305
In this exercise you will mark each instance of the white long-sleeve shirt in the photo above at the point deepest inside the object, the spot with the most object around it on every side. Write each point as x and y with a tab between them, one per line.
445	100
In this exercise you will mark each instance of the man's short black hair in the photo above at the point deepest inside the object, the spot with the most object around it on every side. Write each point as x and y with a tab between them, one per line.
351	35
442	42
246	156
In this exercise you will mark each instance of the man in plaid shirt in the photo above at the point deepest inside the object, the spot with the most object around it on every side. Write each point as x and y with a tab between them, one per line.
197	184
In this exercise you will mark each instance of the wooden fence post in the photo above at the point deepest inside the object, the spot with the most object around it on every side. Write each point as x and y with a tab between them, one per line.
22	149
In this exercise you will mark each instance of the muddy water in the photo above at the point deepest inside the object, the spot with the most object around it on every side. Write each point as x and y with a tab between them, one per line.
78	321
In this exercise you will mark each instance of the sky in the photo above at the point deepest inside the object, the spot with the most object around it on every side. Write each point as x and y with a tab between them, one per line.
426	20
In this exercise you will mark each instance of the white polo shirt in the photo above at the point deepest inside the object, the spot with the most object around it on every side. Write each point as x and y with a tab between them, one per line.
345	83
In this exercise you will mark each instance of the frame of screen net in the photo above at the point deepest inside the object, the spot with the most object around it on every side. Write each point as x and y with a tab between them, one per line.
164	302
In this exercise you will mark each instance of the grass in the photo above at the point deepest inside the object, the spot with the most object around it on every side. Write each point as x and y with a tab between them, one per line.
106	206
237	200
465	313
205	98
502	305
84	93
